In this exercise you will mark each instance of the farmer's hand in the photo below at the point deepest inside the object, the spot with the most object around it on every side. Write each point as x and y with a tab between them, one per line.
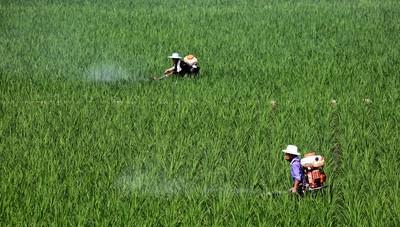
169	71
295	186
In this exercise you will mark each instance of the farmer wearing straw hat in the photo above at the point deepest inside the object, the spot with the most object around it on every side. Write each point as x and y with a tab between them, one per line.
292	155
179	67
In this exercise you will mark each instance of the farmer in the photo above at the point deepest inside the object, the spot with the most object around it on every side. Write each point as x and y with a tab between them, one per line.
181	68
293	156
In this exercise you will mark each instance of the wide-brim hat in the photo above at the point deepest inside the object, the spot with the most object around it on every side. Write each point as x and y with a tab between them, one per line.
291	149
175	56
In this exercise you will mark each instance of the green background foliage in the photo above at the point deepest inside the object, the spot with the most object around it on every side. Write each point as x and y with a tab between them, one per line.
86	138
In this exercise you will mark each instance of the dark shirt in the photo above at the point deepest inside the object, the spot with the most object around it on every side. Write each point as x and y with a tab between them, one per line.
181	68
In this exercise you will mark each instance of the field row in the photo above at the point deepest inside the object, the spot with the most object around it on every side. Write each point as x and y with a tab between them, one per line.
273	103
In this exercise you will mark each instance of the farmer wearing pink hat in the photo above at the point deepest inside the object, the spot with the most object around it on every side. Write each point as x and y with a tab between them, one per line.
292	155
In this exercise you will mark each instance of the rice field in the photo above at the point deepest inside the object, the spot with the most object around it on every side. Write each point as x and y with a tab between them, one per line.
87	139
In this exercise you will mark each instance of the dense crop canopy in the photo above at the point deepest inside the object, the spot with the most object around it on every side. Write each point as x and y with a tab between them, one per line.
86	138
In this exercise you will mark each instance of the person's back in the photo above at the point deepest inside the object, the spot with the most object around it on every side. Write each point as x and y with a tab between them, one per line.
182	68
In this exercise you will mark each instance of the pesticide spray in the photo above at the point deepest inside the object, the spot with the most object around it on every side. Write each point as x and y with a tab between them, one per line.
151	184
111	72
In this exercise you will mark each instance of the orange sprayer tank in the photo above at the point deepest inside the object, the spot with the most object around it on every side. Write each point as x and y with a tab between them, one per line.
313	170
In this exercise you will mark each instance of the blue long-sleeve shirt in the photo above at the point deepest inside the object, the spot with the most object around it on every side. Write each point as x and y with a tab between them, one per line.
296	171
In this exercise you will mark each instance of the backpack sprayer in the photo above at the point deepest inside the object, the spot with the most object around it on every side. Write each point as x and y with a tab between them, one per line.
314	174
192	61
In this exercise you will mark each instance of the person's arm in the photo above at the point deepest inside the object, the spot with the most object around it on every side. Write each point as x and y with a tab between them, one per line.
169	71
296	174
295	186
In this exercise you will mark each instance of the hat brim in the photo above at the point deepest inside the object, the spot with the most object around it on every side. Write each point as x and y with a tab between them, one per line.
174	57
288	152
